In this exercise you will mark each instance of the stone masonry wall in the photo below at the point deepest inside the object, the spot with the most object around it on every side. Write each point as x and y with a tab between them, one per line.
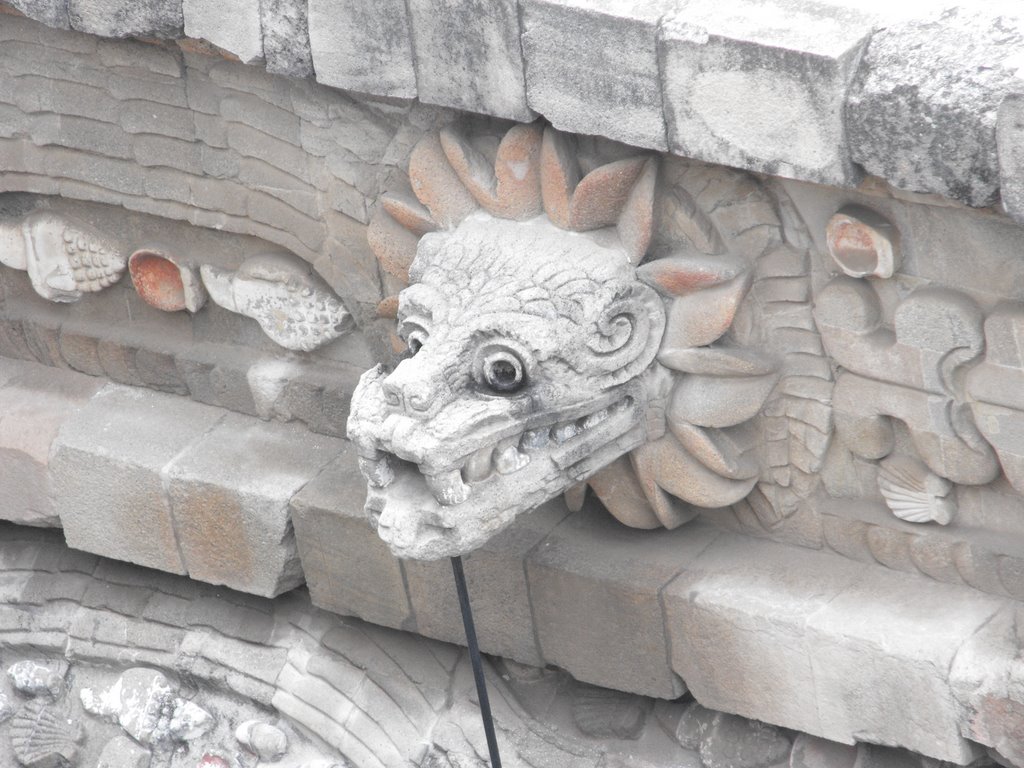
839	90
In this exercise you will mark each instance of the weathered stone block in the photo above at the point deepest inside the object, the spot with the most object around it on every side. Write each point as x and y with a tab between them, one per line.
107	473
229	498
349	570
595	587
468	56
365	47
34	402
52	13
736	619
881	653
922	114
1010	143
233	25
286	37
766	97
497	585
116	18
600	78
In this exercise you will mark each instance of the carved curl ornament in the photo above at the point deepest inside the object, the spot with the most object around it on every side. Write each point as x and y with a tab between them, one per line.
566	316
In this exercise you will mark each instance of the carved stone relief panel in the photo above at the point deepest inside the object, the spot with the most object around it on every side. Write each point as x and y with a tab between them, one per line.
578	313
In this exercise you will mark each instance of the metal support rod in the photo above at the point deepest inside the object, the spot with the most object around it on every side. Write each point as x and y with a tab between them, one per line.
474	658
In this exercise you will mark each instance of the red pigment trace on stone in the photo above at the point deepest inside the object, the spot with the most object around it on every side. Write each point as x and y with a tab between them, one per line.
157	281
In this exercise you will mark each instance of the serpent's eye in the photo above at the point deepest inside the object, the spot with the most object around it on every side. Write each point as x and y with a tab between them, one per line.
416	340
503	372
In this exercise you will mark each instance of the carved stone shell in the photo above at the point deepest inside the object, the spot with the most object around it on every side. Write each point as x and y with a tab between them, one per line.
914	493
44	735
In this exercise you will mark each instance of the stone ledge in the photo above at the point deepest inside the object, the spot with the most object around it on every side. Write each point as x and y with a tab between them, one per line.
808	90
807	640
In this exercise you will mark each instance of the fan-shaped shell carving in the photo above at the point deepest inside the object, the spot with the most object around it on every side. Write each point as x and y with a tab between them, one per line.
44	735
914	493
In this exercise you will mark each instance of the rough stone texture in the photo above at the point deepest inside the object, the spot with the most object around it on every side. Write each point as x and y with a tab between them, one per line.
744	91
469	56
824	643
922	113
53	13
108	473
229	496
497	581
34	402
115	18
595	587
363	47
286	37
233	25
1010	145
603	77
348	568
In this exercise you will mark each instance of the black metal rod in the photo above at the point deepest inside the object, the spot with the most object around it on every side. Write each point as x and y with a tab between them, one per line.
474	658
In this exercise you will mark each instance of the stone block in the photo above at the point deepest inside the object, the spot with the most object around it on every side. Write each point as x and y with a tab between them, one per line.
498	589
881	653
230	494
52	13
595	587
766	97
364	47
116	18
286	37
922	113
736	619
468	56
592	67
107	473
349	570
1010	143
233	25
34	402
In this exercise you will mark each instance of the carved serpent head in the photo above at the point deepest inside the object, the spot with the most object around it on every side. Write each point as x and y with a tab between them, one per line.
538	355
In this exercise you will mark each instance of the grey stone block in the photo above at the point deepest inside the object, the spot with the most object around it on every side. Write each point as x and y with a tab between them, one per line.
229	498
592	67
766	97
349	570
595	587
52	13
365	47
116	18
34	402
1010	143
233	25
897	635
736	618
497	583
469	56
922	114
286	37
107	473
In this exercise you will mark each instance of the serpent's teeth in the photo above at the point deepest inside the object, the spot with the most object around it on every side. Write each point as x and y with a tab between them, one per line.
508	460
478	467
564	431
595	418
534	439
377	470
448	488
